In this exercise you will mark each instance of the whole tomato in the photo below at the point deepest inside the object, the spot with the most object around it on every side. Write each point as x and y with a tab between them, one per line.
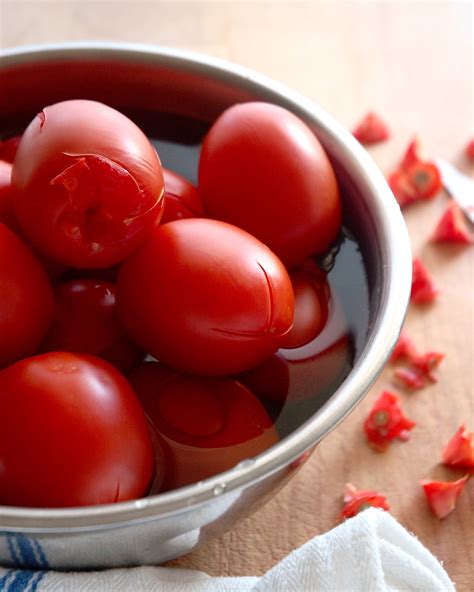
205	297
86	321
72	433
181	198
206	425
26	299
88	185
262	169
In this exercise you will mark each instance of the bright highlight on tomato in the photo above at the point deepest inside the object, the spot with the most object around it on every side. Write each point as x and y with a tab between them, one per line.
262	169
88	185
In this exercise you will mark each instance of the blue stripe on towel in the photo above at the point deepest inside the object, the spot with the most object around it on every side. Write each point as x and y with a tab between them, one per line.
43	562
5	578
20	582
35	582
12	549
27	552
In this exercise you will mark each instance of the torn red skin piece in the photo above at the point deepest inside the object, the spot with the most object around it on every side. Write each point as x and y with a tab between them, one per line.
356	501
459	451
414	179
371	129
404	349
453	227
469	150
425	178
411	155
386	421
443	495
423	289
402	189
410	377
428	362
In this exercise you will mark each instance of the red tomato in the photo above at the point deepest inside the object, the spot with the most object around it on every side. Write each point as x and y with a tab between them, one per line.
312	295
9	147
86	321
87	184
205	297
72	433
26	299
207	425
270	380
181	199
262	169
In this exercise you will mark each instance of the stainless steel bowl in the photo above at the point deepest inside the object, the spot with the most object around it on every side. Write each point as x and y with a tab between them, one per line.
153	79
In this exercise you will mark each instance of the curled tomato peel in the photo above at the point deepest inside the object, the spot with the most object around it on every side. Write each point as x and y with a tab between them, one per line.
423	288
371	129
414	179
442	496
469	150
386	421
452	227
356	501
459	451
404	348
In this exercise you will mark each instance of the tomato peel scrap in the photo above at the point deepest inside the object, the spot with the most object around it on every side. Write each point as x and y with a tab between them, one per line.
386	421
452	227
423	288
404	348
410	377
459	451
356	501
469	150
443	495
414	179
371	129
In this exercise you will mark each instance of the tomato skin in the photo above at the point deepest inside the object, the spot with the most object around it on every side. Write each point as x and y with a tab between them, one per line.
26	299
206	425
86	321
312	295
262	169
83	437
7	215
205	297
88	185
270	380
9	147
181	198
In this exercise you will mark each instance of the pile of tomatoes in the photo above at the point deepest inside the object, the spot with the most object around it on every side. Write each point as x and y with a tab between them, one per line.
106	258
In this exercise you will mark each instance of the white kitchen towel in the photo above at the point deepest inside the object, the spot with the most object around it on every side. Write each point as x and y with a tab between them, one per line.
368	553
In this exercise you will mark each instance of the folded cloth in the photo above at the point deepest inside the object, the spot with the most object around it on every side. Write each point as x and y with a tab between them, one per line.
368	553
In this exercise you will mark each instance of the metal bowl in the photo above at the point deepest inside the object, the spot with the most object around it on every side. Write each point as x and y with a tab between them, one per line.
154	79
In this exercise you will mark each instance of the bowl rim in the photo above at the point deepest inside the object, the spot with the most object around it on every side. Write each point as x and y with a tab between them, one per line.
382	334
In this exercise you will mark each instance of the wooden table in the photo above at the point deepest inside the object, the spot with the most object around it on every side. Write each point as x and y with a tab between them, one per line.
412	62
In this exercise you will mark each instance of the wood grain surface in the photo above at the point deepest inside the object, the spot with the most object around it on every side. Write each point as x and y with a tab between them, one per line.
413	63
